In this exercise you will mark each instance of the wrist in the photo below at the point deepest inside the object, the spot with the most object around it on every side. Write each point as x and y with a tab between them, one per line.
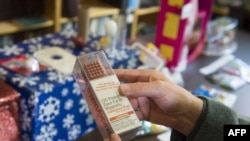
191	115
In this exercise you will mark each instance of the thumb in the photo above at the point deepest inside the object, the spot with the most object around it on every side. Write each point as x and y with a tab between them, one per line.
115	137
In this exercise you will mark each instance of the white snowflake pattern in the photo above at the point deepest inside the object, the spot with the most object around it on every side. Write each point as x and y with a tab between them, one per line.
82	52
49	109
76	89
46	87
56	41
111	62
59	77
121	66
89	120
31	100
95	45
61	140
70	44
87	50
65	92
74	132
68	33
23	105
68	104
33	40
109	52
36	95
68	121
119	55
49	36
11	50
132	63
83	106
36	47
89	130
25	137
3	73
22	81
25	118
47	133
26	121
124	54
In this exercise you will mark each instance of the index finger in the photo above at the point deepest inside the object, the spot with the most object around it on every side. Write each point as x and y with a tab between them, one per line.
138	75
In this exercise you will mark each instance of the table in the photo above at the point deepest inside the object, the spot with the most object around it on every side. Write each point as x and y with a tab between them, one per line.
195	78
51	104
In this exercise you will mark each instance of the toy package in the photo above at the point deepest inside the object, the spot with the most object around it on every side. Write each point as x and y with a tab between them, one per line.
148	128
220	95
112	112
228	71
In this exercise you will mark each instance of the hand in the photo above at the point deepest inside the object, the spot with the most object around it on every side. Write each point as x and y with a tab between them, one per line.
159	100
114	137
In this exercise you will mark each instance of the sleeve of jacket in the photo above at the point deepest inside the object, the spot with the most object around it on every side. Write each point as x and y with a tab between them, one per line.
210	125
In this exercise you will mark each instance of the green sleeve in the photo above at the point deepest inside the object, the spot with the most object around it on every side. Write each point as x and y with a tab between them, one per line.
209	126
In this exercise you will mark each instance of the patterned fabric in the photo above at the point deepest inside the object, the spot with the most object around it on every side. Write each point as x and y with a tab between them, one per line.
51	104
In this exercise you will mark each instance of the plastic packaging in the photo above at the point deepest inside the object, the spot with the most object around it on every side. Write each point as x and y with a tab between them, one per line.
149	57
221	37
98	83
228	71
220	95
149	128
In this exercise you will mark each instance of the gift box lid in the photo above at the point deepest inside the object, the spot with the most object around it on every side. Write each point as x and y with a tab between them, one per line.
7	93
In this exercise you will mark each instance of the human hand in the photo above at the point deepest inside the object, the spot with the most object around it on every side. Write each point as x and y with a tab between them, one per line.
114	137
157	99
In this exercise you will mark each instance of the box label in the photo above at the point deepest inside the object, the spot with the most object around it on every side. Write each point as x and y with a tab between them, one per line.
117	108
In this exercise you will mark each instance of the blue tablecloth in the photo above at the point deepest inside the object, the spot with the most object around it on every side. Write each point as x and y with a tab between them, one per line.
52	107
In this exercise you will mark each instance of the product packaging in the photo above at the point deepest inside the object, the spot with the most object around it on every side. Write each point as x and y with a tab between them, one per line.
221	37
225	97
228	71
98	83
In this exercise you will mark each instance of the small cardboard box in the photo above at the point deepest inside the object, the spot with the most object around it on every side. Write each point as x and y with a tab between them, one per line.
98	83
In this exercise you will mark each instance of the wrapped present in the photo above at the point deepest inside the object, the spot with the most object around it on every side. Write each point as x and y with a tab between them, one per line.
51	104
9	125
